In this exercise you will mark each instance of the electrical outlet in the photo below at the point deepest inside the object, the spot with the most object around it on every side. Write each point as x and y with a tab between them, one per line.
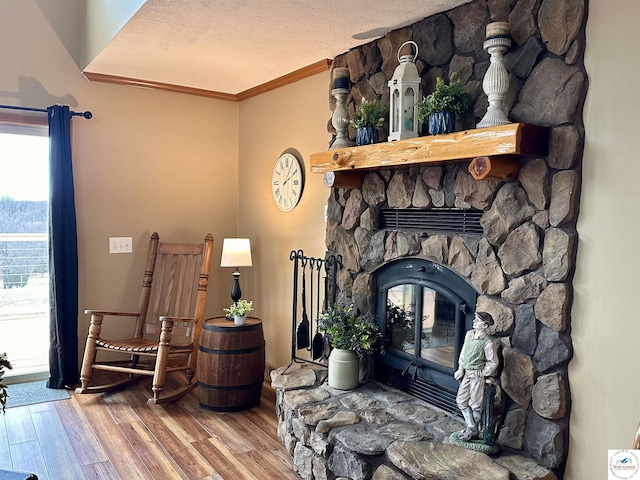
120	245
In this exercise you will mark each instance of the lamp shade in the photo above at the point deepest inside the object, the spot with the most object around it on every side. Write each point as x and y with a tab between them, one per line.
236	252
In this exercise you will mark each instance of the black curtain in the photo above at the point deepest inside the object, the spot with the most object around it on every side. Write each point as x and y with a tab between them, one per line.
63	254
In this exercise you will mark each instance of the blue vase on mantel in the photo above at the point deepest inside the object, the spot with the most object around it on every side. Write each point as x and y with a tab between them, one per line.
366	135
442	122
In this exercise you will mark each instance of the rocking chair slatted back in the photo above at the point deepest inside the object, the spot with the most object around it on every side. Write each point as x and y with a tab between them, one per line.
172	287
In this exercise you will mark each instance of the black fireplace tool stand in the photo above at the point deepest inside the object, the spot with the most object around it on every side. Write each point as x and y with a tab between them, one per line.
303	332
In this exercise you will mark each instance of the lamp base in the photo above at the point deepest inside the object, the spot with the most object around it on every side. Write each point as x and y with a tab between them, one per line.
236	293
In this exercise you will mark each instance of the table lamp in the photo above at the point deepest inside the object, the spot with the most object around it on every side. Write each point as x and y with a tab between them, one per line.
236	252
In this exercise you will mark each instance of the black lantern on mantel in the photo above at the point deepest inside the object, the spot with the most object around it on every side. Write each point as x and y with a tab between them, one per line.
404	94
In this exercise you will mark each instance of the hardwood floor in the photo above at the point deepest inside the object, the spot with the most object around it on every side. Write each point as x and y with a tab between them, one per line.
117	436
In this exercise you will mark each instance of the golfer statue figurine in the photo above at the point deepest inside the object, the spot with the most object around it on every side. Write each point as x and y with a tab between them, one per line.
477	365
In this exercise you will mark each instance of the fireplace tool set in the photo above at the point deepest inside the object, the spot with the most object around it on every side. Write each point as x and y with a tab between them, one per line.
309	271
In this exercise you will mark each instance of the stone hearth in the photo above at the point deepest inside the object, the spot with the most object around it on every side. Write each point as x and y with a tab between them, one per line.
378	432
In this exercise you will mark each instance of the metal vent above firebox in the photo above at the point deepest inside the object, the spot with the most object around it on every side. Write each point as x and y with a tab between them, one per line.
436	220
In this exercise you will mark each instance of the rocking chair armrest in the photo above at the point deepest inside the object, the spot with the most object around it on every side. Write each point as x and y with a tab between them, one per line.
165	318
106	313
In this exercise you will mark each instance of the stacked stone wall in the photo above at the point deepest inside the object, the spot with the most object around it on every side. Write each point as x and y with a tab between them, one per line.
522	265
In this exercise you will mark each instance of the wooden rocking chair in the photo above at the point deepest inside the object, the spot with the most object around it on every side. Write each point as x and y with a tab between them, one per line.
167	323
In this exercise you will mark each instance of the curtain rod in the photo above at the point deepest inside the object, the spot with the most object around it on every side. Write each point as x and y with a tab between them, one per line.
86	114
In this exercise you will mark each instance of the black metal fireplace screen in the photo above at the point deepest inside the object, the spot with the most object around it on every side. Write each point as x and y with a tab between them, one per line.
423	310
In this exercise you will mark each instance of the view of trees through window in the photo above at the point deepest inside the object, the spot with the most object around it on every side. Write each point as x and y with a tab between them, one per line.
26	255
24	283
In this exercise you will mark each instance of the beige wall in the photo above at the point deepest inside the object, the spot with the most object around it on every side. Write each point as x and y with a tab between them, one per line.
605	327
294	116
158	161
147	161
155	161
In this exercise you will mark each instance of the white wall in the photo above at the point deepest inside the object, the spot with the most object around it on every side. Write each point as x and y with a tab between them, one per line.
605	323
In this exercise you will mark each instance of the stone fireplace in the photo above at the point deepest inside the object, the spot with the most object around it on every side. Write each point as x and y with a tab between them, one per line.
515	269
518	263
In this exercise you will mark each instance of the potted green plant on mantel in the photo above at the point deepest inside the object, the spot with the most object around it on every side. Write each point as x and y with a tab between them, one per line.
367	119
239	310
351	337
4	363
440	107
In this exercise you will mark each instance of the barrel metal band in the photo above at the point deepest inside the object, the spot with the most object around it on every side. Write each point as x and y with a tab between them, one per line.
231	352
231	327
230	387
235	408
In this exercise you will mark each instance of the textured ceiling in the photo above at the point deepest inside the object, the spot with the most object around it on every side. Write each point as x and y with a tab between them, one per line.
230	46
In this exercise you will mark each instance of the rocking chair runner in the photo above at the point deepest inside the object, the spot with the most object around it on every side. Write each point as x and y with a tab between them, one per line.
168	322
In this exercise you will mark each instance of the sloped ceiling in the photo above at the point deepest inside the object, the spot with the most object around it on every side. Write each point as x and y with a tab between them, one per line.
231	46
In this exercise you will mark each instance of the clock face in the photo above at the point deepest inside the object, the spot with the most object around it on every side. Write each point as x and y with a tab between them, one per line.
287	181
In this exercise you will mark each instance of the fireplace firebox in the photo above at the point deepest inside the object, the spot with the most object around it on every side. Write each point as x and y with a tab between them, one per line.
423	310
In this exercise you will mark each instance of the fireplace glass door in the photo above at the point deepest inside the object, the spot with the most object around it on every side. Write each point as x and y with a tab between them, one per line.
423	310
420	323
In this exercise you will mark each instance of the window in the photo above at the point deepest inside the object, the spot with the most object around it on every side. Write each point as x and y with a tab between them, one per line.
24	283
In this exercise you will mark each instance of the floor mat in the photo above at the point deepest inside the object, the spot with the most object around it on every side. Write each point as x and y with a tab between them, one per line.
33	392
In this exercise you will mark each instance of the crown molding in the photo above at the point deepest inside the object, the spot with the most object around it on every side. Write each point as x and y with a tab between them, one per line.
168	87
295	76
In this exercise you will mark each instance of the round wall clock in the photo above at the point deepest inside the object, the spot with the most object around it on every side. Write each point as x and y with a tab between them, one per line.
287	181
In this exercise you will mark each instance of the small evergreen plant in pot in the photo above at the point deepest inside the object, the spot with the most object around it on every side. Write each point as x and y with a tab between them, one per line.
440	107
347	330
367	119
4	363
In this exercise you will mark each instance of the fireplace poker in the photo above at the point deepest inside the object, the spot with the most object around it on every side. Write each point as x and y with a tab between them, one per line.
302	334
318	340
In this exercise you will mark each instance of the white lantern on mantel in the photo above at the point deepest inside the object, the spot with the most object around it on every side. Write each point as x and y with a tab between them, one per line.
404	94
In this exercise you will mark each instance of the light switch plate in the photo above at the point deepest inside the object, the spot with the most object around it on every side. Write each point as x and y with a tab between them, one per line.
120	245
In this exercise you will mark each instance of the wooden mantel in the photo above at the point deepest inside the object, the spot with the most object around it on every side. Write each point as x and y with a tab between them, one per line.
493	153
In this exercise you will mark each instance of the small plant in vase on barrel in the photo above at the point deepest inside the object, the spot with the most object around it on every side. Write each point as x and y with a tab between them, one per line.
239	310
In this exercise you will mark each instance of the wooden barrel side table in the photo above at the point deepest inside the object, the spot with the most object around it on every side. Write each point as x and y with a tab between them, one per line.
231	363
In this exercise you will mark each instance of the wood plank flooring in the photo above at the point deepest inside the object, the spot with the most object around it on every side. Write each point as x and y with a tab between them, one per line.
118	436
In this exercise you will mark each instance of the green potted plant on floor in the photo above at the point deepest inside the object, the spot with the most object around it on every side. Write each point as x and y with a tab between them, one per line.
351	337
4	363
239	310
440	107
367	119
